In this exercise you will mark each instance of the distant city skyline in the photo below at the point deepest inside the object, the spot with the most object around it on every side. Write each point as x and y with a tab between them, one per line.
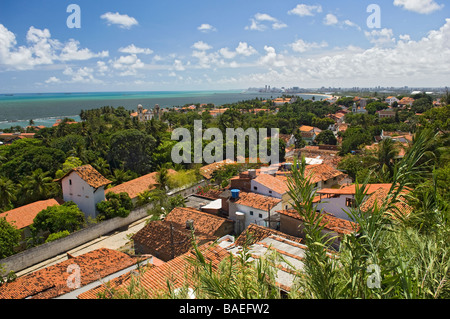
88	46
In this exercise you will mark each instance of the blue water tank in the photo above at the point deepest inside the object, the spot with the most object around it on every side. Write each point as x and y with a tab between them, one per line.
235	193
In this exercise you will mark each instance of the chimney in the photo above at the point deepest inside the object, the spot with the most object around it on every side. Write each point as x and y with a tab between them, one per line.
190	224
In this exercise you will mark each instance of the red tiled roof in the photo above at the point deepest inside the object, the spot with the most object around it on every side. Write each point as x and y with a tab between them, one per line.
90	175
351	189
274	183
52	281
338	225
255	233
256	200
156	237
178	271
22	217
379	196
321	172
204	223
137	185
208	170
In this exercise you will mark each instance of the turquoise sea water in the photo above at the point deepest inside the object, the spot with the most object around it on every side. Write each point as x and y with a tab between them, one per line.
46	108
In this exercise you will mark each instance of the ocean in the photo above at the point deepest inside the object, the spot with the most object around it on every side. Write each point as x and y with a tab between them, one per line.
46	108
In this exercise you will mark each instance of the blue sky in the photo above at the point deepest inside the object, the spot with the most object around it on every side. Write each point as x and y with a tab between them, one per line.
212	45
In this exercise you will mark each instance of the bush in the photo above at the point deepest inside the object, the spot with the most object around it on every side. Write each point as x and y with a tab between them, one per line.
57	236
116	205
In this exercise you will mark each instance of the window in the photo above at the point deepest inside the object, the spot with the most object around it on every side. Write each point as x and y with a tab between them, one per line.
260	215
70	182
251	213
350	202
255	188
270	192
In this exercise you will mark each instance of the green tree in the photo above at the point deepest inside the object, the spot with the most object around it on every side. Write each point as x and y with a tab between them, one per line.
9	238
39	185
59	218
131	150
326	137
115	205
8	193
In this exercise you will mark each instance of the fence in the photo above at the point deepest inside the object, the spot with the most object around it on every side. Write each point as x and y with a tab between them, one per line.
49	250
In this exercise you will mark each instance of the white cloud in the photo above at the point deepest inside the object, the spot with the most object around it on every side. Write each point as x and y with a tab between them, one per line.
258	22
255	26
206	60
52	79
202	46
242	49
71	52
330	19
305	10
128	64
272	59
132	49
227	54
264	17
205	28
381	37
405	37
81	75
352	24
279	25
245	49
122	20
419	6
178	65
102	68
302	46
41	49
412	62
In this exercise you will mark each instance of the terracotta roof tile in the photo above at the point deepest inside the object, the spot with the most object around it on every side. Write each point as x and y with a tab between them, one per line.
52	281
321	172
22	217
204	223
256	200
378	198
351	189
138	185
90	175
338	225
155	236
178	271
257	233
208	170
277	184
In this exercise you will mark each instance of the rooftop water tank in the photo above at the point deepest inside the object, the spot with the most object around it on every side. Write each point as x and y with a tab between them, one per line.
235	193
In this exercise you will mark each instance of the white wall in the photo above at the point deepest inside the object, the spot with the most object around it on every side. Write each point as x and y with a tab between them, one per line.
82	194
250	219
336	206
263	190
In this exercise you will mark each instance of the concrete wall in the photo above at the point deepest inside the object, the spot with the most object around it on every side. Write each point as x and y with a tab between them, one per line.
46	251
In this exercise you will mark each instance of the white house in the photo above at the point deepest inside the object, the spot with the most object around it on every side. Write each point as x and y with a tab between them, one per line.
269	185
338	201
250	208
85	186
391	99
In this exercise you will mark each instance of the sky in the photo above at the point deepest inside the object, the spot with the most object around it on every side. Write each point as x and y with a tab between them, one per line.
173	45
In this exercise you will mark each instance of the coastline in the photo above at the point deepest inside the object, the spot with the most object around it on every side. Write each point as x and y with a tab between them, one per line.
46	108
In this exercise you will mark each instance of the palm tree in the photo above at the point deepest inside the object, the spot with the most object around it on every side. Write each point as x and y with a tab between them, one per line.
37	186
120	176
388	151
162	178
8	191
